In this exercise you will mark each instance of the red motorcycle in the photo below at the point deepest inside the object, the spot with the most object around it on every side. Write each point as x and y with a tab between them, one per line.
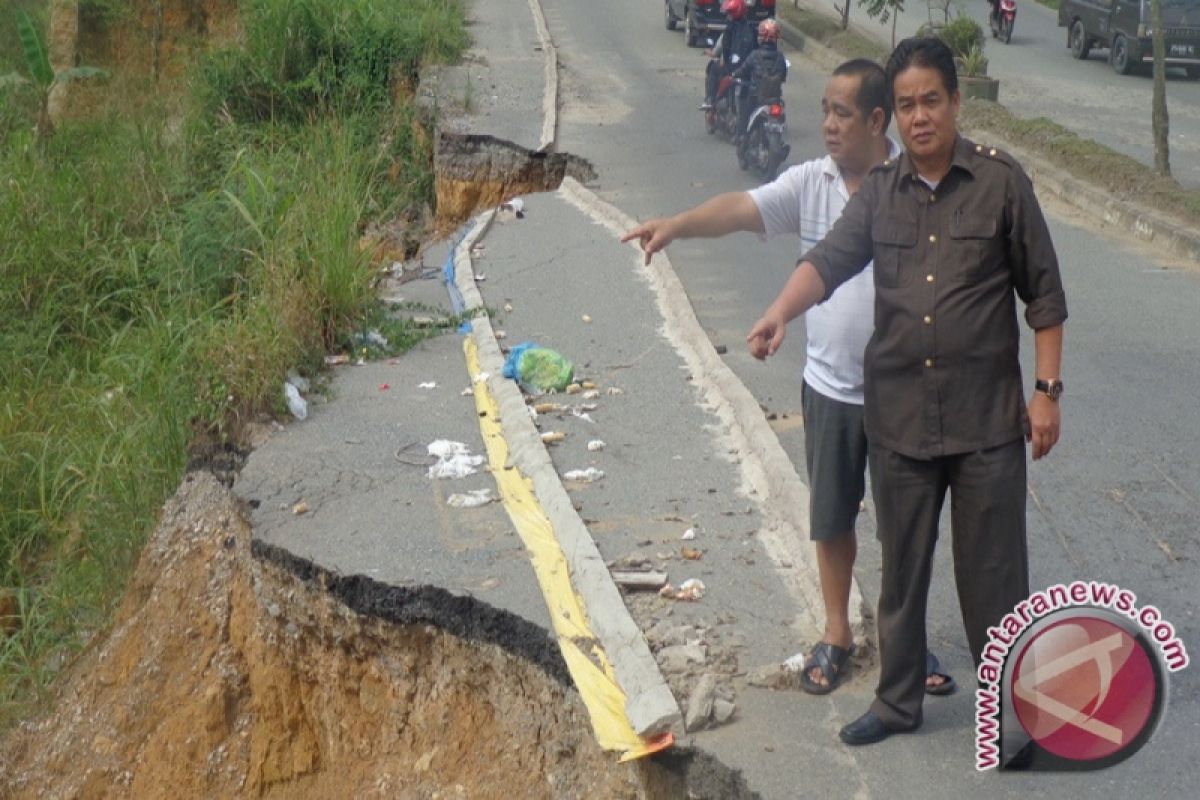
1002	22
722	117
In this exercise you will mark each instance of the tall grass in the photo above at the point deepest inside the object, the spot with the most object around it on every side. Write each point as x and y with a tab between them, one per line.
155	286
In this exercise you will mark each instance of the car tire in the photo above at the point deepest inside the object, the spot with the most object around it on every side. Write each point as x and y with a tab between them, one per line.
690	34
672	22
1078	41
1118	56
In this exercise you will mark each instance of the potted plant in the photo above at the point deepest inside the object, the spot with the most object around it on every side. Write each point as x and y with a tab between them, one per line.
972	76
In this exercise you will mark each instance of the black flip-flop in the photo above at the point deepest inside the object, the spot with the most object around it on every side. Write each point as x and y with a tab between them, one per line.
932	667
834	663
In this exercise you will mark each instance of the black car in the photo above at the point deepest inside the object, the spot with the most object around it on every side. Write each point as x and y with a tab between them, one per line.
1123	26
703	20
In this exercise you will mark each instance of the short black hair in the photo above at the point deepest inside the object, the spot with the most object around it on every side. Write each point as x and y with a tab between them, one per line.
921	51
872	86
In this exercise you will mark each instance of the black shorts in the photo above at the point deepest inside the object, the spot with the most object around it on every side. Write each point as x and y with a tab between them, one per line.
835	452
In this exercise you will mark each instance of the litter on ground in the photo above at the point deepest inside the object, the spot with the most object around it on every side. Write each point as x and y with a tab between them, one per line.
472	499
454	459
589	475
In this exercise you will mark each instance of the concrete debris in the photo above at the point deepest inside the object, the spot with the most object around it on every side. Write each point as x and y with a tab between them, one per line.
639	579
454	459
700	703
472	499
589	475
723	711
678	658
666	633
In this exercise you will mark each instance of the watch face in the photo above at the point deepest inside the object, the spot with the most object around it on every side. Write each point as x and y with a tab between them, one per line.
1053	388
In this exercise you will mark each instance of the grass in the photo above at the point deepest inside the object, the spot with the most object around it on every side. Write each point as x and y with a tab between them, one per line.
828	32
159	276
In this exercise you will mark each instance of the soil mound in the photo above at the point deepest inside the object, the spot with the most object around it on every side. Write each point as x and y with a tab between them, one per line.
225	674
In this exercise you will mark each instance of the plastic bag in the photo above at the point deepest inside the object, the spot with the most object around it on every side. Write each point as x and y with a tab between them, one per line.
538	369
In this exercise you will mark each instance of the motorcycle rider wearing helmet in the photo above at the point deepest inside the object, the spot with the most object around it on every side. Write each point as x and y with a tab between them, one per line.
733	46
763	73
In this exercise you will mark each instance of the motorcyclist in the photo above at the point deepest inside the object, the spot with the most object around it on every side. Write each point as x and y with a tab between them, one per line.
994	15
763	73
733	46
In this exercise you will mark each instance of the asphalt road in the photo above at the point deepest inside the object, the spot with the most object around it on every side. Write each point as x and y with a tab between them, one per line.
1118	500
1039	78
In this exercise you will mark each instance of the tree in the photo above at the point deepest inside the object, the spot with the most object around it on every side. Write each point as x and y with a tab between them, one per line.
1158	107
883	10
844	10
41	75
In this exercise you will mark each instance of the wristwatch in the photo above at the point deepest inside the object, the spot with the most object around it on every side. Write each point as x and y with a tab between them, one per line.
1052	388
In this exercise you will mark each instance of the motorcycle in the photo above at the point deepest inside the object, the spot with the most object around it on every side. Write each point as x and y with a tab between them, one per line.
721	119
763	147
1002	23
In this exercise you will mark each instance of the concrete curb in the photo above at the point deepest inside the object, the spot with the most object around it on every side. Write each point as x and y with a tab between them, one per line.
1142	223
550	71
650	705
767	470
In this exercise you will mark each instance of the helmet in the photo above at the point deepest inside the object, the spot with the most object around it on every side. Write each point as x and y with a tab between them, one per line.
768	31
736	9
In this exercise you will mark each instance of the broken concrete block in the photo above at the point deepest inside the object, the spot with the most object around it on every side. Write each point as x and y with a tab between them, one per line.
700	703
722	711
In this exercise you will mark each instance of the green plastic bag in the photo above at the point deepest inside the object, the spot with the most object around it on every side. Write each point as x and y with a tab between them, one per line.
538	369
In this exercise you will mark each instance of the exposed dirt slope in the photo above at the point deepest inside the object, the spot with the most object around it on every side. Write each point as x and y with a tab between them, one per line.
226	675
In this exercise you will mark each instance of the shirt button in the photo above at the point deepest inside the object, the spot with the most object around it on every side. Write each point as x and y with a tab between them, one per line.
929	278
928	320
932	238
929	362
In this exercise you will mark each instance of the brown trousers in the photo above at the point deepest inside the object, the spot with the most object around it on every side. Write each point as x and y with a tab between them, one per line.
991	564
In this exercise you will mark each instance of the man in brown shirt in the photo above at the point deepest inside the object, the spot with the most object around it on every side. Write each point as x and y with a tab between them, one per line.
954	230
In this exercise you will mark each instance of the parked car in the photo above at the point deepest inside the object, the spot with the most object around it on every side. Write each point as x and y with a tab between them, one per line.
702	19
1123	26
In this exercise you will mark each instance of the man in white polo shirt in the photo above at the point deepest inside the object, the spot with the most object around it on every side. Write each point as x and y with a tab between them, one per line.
806	200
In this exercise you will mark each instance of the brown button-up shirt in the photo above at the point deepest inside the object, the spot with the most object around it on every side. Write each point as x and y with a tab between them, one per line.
942	369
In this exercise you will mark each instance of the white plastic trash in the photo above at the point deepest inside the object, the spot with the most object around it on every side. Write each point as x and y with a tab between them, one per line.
589	475
474	499
295	403
454	459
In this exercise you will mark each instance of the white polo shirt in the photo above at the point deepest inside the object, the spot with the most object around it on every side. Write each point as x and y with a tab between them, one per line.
806	200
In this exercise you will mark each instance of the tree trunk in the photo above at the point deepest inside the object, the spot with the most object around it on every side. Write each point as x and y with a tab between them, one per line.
844	9
63	45
1162	147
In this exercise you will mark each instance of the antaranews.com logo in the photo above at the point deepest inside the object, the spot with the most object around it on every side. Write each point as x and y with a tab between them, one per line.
1074	678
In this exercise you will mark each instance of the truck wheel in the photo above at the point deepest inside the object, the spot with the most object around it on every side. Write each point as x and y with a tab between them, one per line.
1119	56
1078	41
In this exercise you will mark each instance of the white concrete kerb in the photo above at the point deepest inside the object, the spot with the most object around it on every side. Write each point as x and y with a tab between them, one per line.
650	705
550	72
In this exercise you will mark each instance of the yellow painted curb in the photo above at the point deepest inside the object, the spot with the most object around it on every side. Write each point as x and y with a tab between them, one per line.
586	660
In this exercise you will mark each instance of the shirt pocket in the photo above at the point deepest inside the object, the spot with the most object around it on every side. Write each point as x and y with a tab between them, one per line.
976	247
895	244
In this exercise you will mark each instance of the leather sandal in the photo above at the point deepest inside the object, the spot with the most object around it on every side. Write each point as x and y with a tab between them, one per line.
834	664
932	667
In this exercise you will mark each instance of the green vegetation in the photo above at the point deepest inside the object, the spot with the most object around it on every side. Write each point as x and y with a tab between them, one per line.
1124	177
828	32
160	274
